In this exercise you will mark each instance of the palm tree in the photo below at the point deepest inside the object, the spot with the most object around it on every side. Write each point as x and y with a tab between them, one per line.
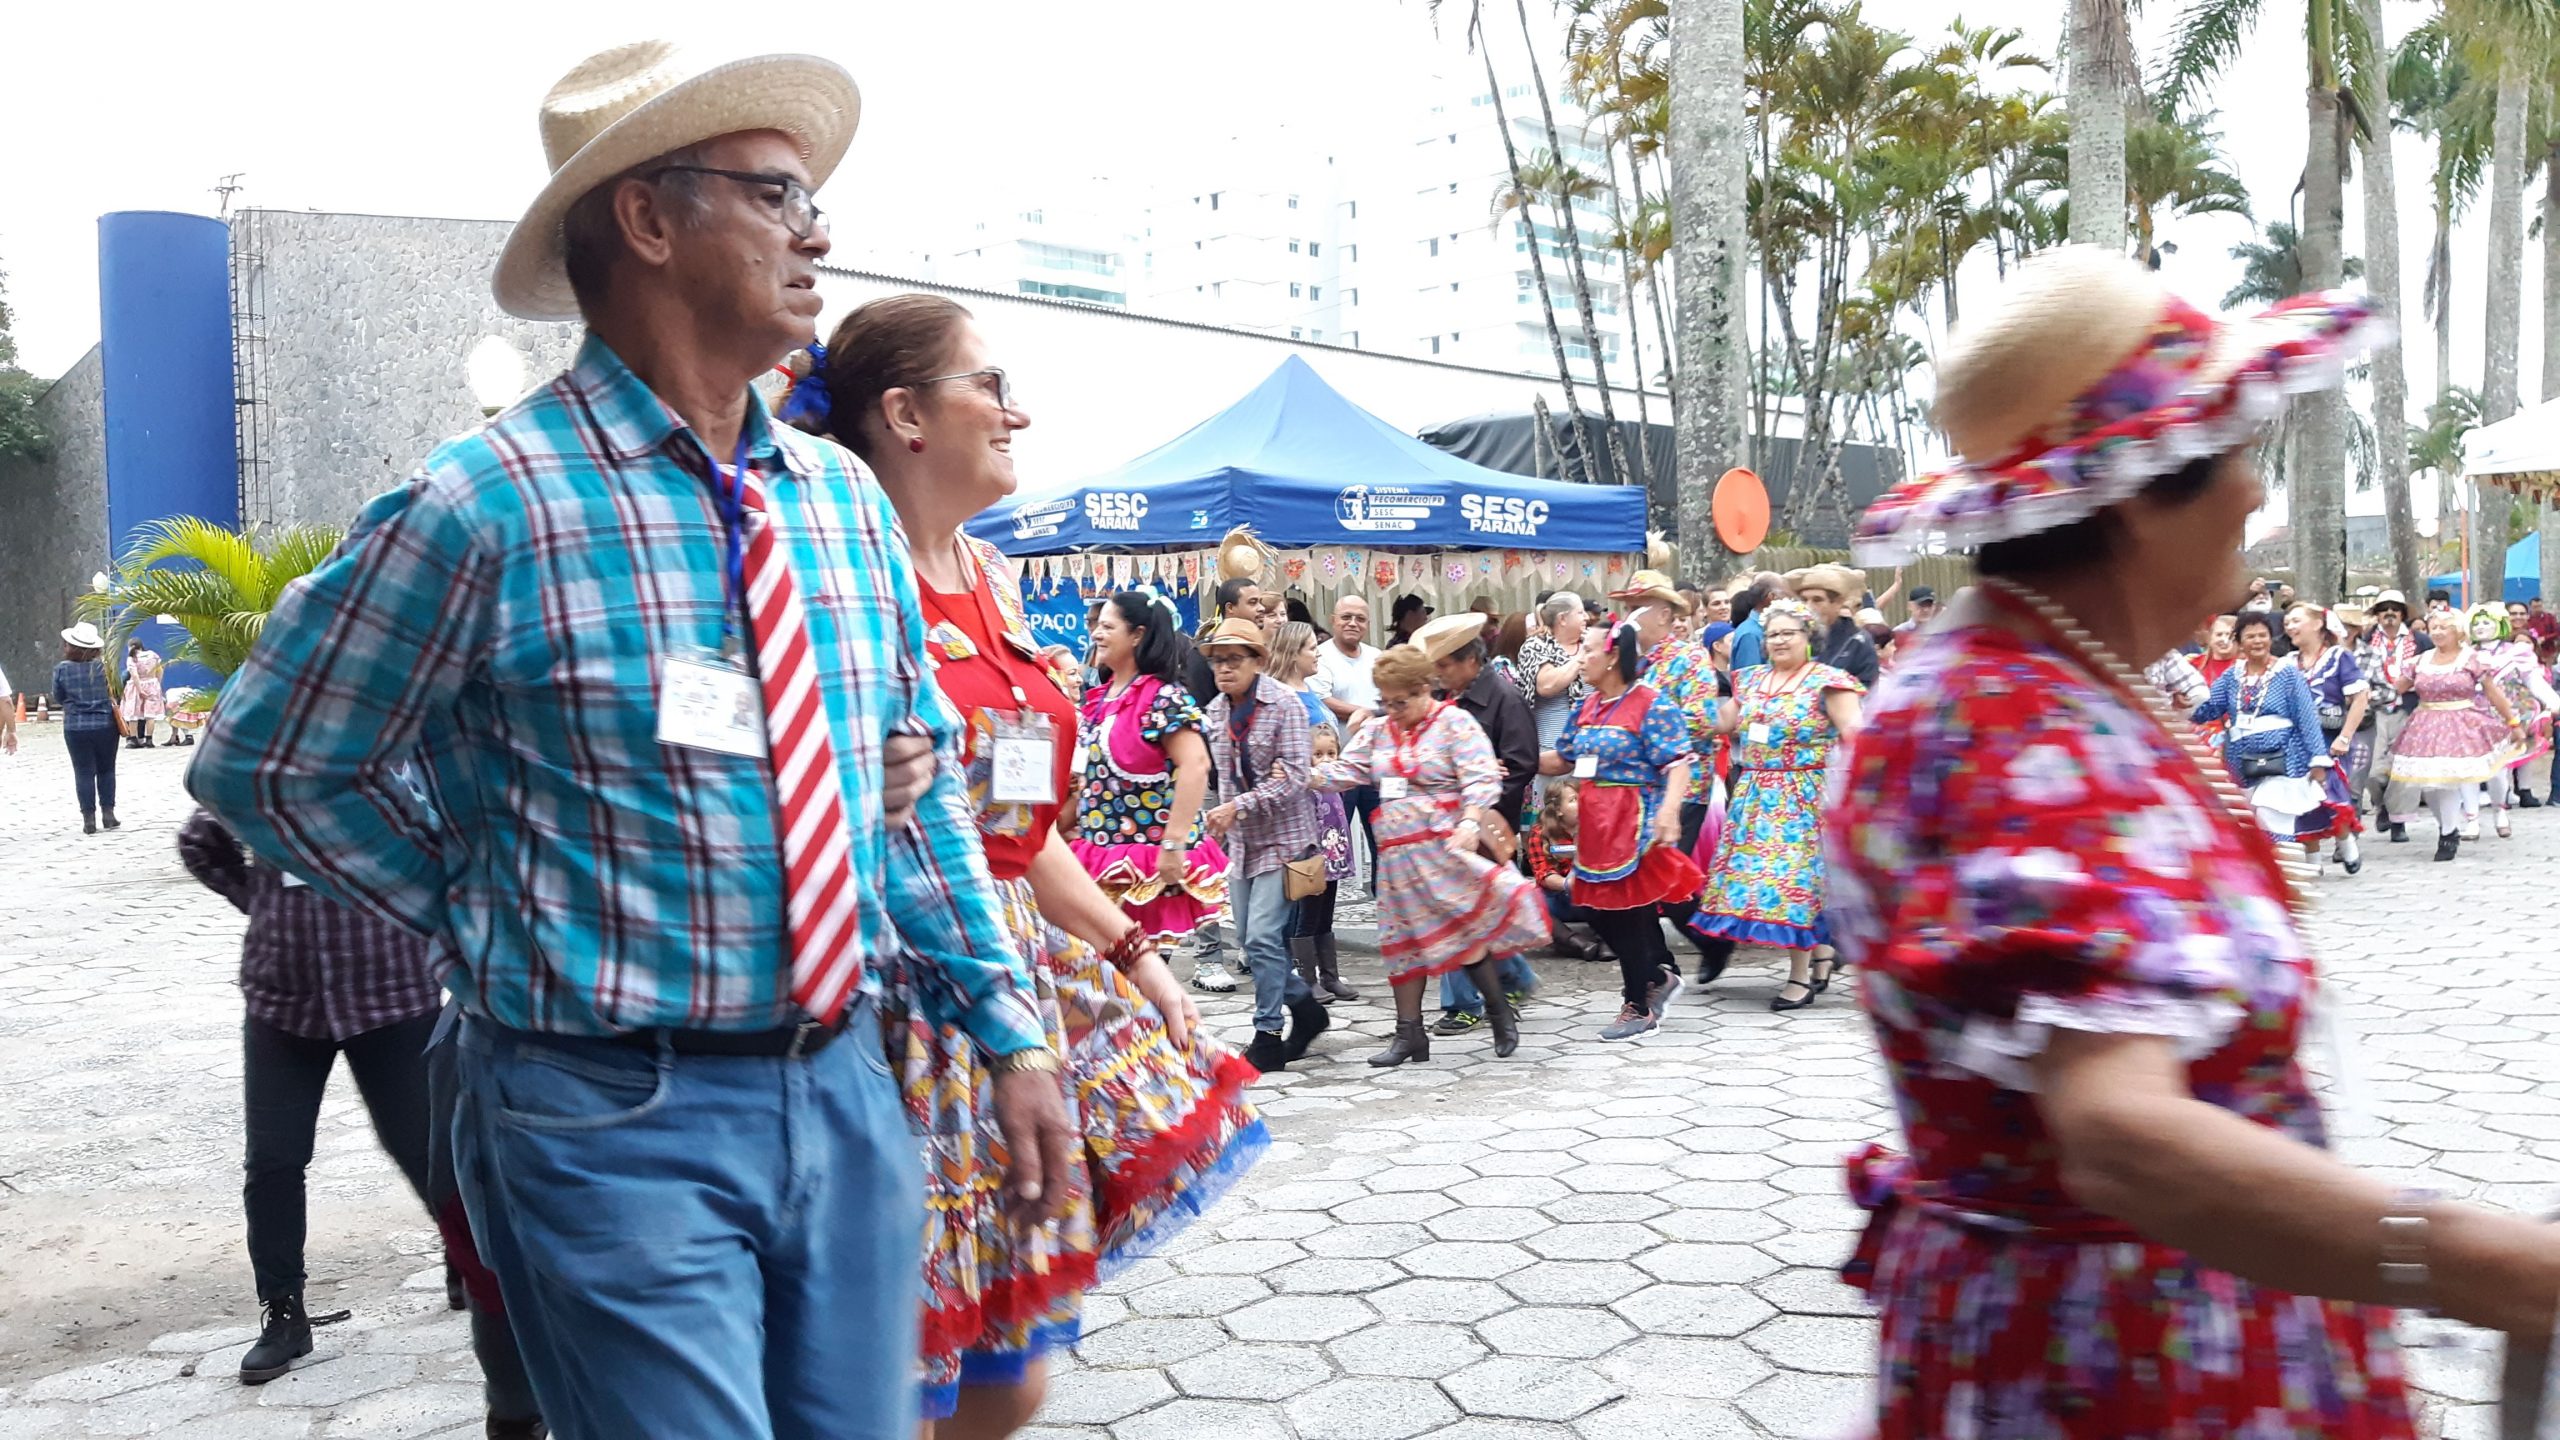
1556	184
1711	249
2271	269
2174	163
2436	448
2099	84
2382	250
215	582
2210	35
1571	230
2504	325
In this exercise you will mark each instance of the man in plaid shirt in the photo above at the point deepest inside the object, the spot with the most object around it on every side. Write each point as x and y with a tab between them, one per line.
1259	758
701	1199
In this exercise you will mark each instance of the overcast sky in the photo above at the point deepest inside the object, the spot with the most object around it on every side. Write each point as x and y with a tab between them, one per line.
429	110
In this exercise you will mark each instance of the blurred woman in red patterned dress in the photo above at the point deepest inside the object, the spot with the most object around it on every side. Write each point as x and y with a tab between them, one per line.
2118	1216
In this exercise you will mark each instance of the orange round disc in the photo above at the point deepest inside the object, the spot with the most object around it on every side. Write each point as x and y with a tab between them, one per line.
1741	508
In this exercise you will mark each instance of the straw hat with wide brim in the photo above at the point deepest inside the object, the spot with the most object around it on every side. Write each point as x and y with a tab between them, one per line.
1449	634
637	102
1850	585
2085	381
1241	556
2388	597
1235	635
1652	587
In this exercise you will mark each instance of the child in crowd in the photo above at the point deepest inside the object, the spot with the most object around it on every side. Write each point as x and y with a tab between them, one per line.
1550	847
1312	941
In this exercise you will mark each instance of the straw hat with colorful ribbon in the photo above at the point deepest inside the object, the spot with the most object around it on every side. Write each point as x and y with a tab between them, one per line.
2087	381
1242	556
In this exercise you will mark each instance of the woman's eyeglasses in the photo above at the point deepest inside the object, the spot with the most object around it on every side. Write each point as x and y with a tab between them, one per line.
992	380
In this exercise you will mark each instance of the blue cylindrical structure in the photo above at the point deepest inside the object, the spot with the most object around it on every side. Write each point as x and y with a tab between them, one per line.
164	323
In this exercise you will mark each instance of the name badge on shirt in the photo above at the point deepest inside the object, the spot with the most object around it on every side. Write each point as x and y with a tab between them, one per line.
1587	768
1393	787
1757	732
708	702
1026	753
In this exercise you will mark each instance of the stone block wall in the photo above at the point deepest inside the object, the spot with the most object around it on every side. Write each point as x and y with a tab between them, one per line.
357	332
53	526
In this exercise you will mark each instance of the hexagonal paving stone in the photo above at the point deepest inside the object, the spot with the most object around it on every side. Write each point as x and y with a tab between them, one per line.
1239	1257
1722	1194
1309	1194
1098	1397
1575	1282
1811	1407
1726	1138
1465	1259
1368	1242
1716	1227
1198	1295
1486	1223
1618	1179
335	1382
1392	1209
1509	1190
1529	1389
1460	1301
1628	1152
1708	1264
1150	1342
1688	1368
1808	1291
1816	1212
1598	1240
1404	1179
97	1382
1694	1310
1573	1209
1654	1417
1300	1317
1370	1408
1250	1372
1726	1165
1823	1344
1569	1333
1416	1351
1192	1419
1820	1248
1335	1277
1494	1163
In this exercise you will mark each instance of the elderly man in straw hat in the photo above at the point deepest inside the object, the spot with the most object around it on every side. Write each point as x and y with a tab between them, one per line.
1259	754
1839	641
664	663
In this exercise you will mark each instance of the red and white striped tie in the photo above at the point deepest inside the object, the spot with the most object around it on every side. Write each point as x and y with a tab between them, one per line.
818	891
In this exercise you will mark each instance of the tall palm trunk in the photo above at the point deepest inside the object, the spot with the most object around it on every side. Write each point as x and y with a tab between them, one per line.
2498	381
1571	454
2319	484
1711	136
1652	273
1572	232
2101	74
2548	521
2439	306
2382	277
1635	339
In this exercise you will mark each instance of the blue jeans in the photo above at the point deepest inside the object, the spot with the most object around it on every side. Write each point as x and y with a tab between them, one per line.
696	1244
1458	993
1264	917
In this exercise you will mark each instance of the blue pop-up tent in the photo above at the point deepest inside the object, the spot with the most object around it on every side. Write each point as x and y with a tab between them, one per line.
1303	466
2524	573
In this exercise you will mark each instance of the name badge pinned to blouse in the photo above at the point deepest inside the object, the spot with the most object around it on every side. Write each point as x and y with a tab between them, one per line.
1587	768
708	701
1757	732
1025	751
1393	787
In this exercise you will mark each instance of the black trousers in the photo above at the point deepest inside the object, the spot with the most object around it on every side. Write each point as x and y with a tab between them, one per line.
1315	913
1361	802
93	768
284	1076
1637	937
1693	820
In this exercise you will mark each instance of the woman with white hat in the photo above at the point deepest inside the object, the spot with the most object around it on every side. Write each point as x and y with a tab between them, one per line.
2080	952
89	724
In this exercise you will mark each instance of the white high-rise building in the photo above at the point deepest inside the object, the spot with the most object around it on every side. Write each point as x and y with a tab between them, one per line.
1089	250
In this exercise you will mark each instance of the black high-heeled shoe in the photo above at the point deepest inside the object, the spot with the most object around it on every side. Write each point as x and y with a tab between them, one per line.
1780	1003
1824	972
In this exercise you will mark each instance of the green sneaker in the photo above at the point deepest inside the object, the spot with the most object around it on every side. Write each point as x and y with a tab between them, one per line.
1456	1022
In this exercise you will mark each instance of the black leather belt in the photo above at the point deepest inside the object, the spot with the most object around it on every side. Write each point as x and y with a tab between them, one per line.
787	1042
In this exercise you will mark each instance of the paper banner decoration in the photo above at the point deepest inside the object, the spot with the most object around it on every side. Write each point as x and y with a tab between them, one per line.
1385	572
1457	570
1484	566
1558	566
1328	564
1294	568
1079	566
1510	563
1146	569
1417	570
1590	569
1617	564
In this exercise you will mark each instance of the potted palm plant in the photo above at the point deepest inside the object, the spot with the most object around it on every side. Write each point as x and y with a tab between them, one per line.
214	583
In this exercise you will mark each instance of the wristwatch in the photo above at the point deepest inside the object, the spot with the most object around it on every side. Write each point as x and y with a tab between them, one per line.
1043	1059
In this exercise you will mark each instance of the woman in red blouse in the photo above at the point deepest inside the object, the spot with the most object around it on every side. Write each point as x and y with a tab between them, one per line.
907	384
2118	1216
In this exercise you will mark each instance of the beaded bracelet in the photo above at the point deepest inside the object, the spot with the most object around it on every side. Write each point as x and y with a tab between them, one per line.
1131	949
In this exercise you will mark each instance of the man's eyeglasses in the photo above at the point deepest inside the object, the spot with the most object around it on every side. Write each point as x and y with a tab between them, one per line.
992	380
1227	662
798	209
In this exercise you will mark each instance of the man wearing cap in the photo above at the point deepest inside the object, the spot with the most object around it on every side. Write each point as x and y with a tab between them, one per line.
663	666
1259	757
1924	608
1839	641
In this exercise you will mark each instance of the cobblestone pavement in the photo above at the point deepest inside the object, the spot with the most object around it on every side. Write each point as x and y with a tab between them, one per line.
1589	1240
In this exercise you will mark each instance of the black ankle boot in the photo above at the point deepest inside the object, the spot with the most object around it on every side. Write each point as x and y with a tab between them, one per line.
2399	833
1411	1042
285	1338
1307	1020
107	818
2447	844
1497	1009
1265	1054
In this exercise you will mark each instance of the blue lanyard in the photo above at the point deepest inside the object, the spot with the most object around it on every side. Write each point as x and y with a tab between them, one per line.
733	524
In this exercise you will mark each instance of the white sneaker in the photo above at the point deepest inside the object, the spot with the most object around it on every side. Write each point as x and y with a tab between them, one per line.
2471	827
1212	976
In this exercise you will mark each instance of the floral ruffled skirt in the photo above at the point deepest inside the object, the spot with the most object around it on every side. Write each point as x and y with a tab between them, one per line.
1165	1133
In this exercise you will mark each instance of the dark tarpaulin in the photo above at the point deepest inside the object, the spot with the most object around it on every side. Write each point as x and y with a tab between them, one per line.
1507	440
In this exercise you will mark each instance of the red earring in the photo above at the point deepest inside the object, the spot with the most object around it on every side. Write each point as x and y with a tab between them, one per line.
916	443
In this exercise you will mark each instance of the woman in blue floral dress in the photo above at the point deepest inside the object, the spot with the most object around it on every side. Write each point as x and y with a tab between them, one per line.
1765	887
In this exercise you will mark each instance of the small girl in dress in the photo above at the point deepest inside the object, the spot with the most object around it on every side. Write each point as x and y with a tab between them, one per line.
1312	941
1551	846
